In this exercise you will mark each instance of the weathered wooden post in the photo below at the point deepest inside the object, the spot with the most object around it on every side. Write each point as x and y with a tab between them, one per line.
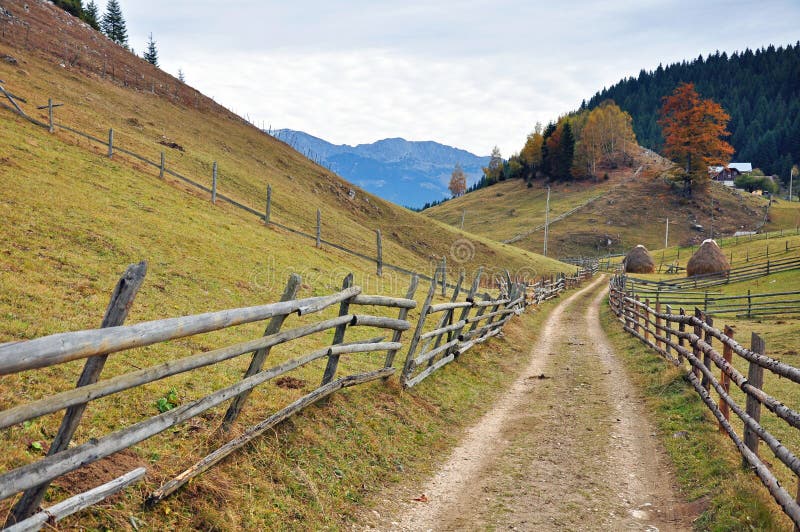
647	319
408	367
110	143
269	205
698	332
725	380
214	183
379	245
412	289
50	115
637	311
681	330
161	168
668	332
319	228
749	303
260	355
338	335
116	312
444	276
755	377
709	339
659	324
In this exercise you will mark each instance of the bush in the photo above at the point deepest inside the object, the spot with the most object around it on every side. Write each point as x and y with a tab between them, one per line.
750	182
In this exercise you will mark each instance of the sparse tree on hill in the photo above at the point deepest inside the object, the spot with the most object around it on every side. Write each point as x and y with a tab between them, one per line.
492	172
91	15
531	154
113	23
151	53
458	182
181	76
693	129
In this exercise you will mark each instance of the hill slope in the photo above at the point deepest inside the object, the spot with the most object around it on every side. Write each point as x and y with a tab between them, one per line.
758	89
404	172
630	208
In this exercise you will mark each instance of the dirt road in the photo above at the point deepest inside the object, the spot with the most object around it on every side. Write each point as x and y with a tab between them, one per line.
567	447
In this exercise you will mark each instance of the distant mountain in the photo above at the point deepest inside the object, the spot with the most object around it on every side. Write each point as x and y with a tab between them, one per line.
759	89
405	172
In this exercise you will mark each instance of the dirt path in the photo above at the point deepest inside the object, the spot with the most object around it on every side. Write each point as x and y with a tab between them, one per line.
567	447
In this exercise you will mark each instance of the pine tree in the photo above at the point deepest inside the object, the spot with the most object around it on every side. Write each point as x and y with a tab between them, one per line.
151	53
181	76
90	15
113	23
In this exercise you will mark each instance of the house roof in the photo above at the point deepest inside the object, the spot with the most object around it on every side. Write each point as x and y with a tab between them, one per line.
742	167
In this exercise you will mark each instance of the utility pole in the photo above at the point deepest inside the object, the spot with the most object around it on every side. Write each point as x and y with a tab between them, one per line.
546	220
666	235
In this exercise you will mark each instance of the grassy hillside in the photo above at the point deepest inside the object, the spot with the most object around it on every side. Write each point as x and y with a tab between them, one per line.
73	219
629	208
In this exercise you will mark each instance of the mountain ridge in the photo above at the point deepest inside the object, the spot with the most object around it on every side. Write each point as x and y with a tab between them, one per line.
399	170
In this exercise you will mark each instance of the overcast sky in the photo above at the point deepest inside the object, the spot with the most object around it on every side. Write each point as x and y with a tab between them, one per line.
471	74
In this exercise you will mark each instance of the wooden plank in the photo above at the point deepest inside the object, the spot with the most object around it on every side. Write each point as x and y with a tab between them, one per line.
379	321
443	330
90	392
117	310
706	356
63	347
260	355
214	183
338	336
430	369
268	212
51	467
255	431
65	508
465	311
384	301
110	143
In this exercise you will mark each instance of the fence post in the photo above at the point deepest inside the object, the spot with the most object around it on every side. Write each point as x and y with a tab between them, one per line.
705	302
681	329
50	115
647	319
412	289
698	332
110	143
338	336
260	355
725	380
444	276
319	228
637	311
659	323
749	303
755	377
668	332
379	245
214	183
269	205
412	347
706	382
121	300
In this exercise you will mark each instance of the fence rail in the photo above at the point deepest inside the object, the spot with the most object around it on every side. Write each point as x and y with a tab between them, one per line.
656	329
96	345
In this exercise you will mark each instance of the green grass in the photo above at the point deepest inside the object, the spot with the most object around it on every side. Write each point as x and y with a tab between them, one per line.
706	462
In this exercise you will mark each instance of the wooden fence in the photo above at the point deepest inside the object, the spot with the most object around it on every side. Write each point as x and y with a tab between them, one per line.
666	333
159	164
113	338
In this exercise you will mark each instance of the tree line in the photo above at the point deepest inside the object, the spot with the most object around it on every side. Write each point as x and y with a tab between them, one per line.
760	91
111	24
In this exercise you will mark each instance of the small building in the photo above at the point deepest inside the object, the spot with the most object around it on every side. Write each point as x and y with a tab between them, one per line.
727	174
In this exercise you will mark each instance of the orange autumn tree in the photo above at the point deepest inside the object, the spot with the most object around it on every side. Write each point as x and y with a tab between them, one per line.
458	182
693	130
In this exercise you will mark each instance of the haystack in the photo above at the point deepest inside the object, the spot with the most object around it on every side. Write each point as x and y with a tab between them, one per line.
638	260
708	259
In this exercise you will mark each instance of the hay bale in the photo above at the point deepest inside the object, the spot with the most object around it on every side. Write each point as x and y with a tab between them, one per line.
708	259
638	260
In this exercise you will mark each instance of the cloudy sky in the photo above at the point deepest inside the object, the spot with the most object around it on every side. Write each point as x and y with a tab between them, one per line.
471	74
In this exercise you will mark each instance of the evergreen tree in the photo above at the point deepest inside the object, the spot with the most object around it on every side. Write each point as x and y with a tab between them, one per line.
151	53
91	15
181	77
113	23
